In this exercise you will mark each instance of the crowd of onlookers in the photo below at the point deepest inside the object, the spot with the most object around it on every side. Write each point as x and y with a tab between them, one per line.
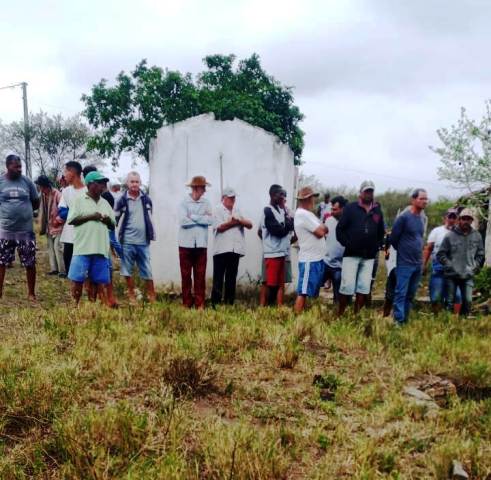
339	242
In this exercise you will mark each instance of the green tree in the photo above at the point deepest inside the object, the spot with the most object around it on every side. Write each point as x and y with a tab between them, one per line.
54	140
465	151
126	116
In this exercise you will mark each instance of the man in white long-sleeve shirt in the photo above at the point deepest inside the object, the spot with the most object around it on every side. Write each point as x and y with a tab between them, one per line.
195	216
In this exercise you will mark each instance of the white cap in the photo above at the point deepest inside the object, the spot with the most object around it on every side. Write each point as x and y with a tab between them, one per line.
228	192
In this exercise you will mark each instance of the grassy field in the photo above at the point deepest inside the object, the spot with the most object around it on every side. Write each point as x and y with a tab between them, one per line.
157	391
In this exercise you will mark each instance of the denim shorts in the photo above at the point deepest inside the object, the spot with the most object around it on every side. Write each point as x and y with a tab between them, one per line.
139	254
95	267
356	275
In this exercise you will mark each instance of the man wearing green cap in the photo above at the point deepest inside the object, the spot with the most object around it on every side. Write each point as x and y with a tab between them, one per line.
91	216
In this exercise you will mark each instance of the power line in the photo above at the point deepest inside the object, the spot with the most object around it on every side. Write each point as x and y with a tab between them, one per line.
363	172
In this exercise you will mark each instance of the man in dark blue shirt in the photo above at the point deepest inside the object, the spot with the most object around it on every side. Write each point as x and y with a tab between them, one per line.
407	238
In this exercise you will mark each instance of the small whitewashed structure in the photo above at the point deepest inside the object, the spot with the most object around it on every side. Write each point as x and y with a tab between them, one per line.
229	154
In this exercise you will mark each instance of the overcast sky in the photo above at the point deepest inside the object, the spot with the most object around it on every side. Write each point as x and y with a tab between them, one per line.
374	78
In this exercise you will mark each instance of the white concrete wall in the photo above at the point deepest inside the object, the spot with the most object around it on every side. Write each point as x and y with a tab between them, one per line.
252	160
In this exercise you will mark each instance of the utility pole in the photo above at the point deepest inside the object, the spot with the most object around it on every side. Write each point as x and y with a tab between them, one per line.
26	125
27	133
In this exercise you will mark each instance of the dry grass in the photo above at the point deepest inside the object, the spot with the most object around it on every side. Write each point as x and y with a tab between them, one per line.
153	392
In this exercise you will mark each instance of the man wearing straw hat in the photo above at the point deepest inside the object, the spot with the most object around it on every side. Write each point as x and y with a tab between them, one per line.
311	233
195	216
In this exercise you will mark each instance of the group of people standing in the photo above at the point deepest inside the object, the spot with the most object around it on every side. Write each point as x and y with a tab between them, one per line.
79	222
338	247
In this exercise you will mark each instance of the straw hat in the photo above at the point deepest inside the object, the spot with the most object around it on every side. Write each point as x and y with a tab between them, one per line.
306	192
198	181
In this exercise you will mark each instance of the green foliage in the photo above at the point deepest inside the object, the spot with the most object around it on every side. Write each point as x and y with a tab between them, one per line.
465	153
483	282
126	116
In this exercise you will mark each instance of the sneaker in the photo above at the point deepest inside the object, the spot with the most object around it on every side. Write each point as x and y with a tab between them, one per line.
62	275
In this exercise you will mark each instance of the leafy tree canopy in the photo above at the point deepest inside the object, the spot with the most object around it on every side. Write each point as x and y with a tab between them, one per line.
128	114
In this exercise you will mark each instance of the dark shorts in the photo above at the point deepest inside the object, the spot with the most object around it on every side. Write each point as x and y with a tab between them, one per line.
25	248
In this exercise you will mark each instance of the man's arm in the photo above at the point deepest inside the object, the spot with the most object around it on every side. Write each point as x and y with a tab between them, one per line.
443	254
321	231
274	227
480	253
427	251
342	227
397	230
35	201
80	219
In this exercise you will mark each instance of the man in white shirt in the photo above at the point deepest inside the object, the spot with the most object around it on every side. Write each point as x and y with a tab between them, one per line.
228	247
334	250
73	176
312	244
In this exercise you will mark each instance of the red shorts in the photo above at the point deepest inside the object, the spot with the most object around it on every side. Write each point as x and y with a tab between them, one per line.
275	271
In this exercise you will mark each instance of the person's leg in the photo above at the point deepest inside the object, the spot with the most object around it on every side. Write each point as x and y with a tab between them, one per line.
300	302
372	281
79	266
110	299
58	247
363	283
390	287
336	283
77	289
67	255
413	286
231	277
7	256
145	268
200	277
53	266
280	280
403	275
219	266
303	280
349	271
450	288
128	255
99	275
186	265
274	280
437	296
457	304
263	294
27	256
466	287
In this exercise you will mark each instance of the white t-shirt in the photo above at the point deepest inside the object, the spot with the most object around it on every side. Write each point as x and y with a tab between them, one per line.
436	237
233	239
68	196
334	250
312	248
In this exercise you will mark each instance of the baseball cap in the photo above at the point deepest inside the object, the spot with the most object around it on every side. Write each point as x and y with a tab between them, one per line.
367	185
229	192
95	177
466	212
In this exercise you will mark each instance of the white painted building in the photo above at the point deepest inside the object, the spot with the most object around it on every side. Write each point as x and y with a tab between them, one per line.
229	154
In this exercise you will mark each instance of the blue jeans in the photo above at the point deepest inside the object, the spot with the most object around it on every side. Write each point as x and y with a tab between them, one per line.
466	287
408	278
333	274
438	290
